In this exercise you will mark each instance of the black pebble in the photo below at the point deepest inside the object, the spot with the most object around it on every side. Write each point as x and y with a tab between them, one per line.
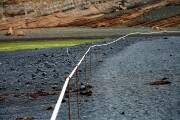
122	113
27	83
44	74
49	108
63	101
45	55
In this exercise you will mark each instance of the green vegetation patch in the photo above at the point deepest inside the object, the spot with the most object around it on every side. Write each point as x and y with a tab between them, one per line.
13	46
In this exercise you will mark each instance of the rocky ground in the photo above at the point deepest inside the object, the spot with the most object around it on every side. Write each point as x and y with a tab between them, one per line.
121	83
31	80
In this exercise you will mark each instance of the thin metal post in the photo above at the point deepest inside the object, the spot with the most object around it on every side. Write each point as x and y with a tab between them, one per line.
90	62
85	76
69	102
96	57
77	87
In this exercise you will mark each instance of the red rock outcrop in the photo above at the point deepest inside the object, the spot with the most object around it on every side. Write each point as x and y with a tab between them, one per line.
9	32
95	16
20	33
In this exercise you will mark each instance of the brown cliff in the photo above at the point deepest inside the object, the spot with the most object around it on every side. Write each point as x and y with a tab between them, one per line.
96	16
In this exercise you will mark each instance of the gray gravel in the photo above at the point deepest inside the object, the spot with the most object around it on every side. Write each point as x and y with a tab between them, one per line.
119	91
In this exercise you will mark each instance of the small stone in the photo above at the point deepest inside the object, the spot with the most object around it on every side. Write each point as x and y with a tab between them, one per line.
89	86
21	33
39	70
12	69
39	61
165	38
66	73
44	74
66	95
49	108
56	83
9	32
114	108
17	89
49	65
55	76
16	95
33	78
27	83
33	75
164	78
25	118
54	87
122	113
63	101
87	93
42	83
85	117
45	55
104	53
100	61
82	88
2	88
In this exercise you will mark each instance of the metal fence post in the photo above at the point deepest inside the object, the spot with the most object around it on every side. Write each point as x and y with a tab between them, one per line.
85	75
90	62
69	101
77	92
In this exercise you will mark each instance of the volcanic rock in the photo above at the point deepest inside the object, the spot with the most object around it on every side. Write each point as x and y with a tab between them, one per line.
21	33
9	32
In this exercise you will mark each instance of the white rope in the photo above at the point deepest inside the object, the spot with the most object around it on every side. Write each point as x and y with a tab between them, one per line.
67	51
58	104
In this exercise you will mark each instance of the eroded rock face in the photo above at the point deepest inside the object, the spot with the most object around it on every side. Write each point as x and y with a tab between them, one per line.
91	13
45	7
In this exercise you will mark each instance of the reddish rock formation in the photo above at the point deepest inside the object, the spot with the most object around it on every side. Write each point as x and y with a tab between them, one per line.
167	22
20	33
95	16
9	32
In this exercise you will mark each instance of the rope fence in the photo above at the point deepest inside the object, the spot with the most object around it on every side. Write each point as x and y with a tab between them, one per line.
75	71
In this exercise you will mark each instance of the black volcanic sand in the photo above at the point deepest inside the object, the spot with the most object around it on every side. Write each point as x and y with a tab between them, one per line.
31	80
